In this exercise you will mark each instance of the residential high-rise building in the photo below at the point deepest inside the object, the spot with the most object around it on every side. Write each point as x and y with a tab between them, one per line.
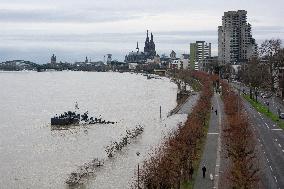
235	42
199	52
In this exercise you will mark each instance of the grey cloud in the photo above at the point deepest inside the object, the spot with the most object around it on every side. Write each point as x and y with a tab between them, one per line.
57	16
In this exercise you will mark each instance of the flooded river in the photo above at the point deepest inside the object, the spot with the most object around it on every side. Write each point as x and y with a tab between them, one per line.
34	156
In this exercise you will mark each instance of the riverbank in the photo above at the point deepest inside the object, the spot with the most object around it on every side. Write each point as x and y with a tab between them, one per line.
170	163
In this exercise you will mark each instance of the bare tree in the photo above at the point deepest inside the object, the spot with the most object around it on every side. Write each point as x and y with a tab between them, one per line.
270	52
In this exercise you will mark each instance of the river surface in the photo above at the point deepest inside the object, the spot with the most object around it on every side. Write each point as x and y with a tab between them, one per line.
34	156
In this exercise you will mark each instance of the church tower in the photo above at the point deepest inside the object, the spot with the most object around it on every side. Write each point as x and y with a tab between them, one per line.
146	48
149	48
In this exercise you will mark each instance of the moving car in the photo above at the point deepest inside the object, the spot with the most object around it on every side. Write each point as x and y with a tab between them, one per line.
281	115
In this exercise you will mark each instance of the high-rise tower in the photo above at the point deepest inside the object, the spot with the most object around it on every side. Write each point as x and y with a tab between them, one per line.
235	42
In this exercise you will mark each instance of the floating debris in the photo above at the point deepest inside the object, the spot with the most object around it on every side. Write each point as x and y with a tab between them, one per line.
83	171
117	146
77	177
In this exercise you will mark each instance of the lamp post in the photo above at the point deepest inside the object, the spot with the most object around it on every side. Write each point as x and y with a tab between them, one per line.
138	186
267	103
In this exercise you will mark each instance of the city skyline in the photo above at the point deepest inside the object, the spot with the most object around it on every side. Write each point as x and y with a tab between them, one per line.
72	30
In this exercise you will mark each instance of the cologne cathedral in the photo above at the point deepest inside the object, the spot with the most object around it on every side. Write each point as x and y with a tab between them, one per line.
141	57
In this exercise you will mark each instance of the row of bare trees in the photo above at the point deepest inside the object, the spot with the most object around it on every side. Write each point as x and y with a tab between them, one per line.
239	142
172	162
262	71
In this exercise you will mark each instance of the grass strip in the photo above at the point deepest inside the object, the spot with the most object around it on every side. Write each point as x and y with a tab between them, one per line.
264	110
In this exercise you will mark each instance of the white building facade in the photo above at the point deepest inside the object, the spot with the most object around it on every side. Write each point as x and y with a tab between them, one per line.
235	42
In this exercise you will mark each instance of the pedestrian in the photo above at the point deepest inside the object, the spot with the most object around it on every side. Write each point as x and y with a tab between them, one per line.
191	170
203	171
212	108
216	111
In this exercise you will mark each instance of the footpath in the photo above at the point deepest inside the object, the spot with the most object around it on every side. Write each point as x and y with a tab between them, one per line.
211	154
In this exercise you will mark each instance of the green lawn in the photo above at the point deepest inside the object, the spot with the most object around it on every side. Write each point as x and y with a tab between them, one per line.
263	109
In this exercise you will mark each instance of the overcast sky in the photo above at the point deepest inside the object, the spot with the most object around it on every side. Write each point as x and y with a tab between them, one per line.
71	29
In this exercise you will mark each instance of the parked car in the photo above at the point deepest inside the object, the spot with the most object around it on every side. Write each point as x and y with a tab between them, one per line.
281	115
266	95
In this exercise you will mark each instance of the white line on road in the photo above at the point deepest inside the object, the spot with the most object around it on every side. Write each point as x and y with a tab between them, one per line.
275	178
276	129
213	133
271	168
276	140
279	145
218	158
283	151
267	160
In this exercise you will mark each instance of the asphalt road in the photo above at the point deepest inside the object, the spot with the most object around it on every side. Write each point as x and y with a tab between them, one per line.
271	144
275	103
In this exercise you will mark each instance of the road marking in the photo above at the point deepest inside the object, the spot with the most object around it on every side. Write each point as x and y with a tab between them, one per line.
218	158
274	125
267	125
279	145
271	168
213	133
283	151
258	140
275	178
276	140
267	160
276	129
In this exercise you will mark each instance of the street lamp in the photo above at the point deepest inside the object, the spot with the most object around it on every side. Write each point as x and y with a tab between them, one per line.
138	153
267	103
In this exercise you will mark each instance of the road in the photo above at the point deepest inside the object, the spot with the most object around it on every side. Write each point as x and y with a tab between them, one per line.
211	154
275	103
271	144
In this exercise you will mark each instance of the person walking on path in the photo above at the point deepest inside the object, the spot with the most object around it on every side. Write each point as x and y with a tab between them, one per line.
191	170
216	111
203	171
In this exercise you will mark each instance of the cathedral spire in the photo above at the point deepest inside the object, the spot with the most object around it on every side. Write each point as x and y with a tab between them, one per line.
147	38
137	47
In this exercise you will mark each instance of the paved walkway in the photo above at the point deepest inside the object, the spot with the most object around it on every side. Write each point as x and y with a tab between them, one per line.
189	104
211	153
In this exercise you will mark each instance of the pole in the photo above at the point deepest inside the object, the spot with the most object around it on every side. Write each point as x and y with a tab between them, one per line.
138	178
160	112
